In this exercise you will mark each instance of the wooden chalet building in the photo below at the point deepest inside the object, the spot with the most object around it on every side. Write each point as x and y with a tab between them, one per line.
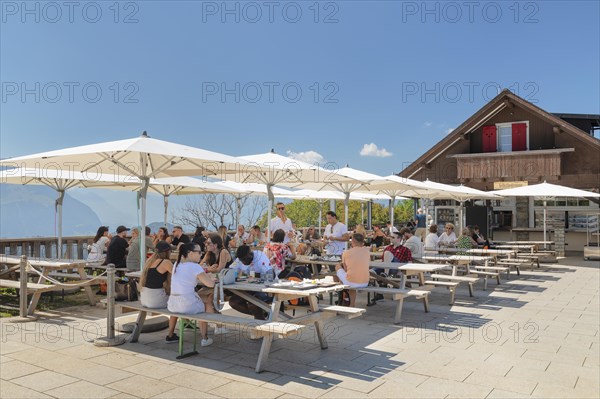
512	142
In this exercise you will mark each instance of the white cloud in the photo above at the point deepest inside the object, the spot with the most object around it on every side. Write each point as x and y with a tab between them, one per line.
310	157
448	131
371	150
427	124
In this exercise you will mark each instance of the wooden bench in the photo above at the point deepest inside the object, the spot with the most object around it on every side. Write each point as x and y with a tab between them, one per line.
486	275
31	287
459	279
398	295
451	285
257	328
496	269
528	258
344	311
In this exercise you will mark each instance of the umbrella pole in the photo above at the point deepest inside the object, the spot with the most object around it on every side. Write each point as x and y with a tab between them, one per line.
544	224
346	202
166	207
320	215
269	210
362	213
142	234
59	204
462	224
237	209
392	206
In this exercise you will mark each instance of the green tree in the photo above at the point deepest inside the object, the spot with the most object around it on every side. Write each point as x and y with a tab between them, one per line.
403	211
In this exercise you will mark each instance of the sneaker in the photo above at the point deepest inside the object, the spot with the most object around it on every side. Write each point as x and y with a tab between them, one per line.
172	339
206	342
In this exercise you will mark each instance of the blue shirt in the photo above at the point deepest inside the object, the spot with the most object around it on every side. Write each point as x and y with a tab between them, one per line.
420	220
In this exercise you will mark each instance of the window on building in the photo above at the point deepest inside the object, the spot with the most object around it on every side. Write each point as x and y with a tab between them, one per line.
506	137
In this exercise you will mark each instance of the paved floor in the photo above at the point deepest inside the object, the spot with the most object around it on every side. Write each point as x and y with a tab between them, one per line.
533	336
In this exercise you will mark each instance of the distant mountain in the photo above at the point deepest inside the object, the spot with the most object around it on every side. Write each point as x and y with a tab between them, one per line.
28	211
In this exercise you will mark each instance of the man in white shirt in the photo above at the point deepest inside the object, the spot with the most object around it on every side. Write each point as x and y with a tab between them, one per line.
391	229
281	222
412	242
336	235
251	261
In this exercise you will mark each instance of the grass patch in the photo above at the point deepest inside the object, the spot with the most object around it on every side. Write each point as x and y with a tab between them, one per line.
9	301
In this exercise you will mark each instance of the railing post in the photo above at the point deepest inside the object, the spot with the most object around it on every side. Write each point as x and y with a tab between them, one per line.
110	339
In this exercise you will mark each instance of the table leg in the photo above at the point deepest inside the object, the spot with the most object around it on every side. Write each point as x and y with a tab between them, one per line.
88	288
36	295
314	307
137	329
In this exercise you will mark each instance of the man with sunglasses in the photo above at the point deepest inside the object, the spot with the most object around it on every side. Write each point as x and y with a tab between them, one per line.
281	221
251	261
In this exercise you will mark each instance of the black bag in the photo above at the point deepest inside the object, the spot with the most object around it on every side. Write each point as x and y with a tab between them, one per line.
125	290
343	298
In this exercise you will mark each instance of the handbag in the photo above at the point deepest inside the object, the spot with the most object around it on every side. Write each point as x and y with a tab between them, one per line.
125	290
226	277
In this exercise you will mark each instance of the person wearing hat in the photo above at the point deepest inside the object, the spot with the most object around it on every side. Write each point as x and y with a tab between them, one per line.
117	249
155	284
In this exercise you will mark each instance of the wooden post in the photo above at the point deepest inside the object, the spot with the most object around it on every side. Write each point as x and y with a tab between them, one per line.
23	287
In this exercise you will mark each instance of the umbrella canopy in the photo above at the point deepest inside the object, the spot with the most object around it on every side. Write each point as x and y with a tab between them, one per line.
545	191
284	171
63	180
141	157
345	181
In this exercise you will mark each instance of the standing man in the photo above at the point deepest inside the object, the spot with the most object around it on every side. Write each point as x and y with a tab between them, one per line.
336	235
390	229
117	249
421	224
281	222
179	238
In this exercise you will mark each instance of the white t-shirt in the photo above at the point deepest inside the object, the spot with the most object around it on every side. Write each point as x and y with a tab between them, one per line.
431	241
336	230
447	239
414	244
277	223
185	278
241	240
260	264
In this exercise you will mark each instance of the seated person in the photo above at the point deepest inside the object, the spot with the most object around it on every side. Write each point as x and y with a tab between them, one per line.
277	251
256	237
412	242
240	237
97	250
311	234
479	238
251	261
133	254
396	252
117	249
448	238
431	241
156	283
378	236
179	237
465	242
217	257
187	274
162	235
354	268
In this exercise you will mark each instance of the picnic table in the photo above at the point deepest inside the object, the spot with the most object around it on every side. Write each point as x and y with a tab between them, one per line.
313	262
46	267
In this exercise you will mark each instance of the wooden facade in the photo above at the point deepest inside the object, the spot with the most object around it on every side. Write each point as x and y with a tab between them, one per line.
554	150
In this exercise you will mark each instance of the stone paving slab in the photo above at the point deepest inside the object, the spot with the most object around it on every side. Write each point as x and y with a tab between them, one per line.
536	335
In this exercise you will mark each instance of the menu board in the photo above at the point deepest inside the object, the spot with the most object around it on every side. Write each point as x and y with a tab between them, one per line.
445	215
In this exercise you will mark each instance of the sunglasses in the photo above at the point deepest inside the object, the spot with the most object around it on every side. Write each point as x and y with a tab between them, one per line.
281	209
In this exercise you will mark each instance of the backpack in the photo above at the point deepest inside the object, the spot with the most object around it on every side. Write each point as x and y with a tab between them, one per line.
293	276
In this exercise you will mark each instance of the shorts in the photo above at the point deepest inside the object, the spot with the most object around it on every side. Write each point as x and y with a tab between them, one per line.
341	273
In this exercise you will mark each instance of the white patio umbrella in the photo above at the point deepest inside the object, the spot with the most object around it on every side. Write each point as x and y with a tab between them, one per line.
545	191
63	180
286	172
396	187
346	181
459	193
143	158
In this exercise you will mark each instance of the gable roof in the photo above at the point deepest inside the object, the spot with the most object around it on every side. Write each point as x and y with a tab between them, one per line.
503	100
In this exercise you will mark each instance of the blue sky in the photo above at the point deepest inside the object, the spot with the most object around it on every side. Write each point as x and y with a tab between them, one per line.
361	69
